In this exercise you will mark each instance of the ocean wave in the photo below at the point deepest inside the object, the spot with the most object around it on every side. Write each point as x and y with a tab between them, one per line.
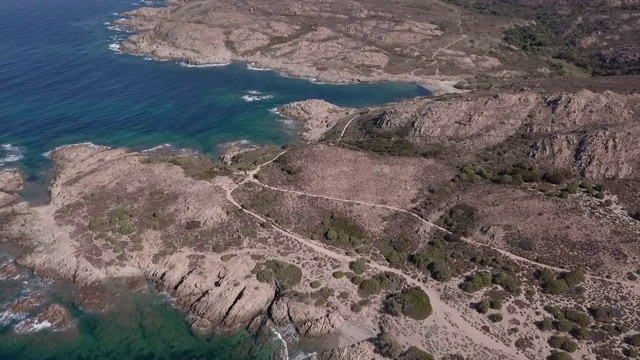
156	148
251	98
31	325
90	144
12	154
182	63
275	111
169	149
9	317
253	67
114	47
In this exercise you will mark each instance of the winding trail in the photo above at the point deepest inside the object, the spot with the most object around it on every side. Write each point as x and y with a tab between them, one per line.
440	308
434	60
635	287
346	126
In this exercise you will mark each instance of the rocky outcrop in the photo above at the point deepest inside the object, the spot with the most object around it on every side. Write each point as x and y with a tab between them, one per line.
10	183
322	326
359	351
316	117
56	316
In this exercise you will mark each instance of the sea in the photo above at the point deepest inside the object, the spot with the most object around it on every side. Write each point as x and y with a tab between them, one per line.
62	81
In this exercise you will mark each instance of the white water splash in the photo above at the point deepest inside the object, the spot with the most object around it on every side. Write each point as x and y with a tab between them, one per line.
14	153
89	144
184	64
284	351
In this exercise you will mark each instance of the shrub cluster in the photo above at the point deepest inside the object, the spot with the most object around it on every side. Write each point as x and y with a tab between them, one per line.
563	343
341	230
556	285
413	303
283	274
460	218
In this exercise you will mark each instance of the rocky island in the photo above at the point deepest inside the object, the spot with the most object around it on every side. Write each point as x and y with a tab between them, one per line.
501	221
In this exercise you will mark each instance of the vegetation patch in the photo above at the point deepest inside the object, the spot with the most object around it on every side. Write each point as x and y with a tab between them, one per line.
284	275
413	303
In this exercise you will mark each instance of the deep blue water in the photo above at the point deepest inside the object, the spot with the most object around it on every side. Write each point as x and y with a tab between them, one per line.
61	84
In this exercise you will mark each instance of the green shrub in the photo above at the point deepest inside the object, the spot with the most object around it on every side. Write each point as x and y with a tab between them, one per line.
355	307
315	284
563	343
495	304
359	266
558	355
483	306
338	274
440	271
98	224
557	177
341	230
630	352
495	317
460	218
555	287
633	340
285	275
572	188
369	287
581	318
193	224
574	277
546	324
508	282
344	295
414	353
387	346
413	303
477	281
563	325
580	333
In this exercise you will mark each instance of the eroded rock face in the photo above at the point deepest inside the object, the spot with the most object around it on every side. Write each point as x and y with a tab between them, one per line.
359	351
315	116
11	181
322	326
590	133
57	316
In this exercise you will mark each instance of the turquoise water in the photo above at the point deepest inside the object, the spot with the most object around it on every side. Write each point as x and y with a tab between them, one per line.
61	84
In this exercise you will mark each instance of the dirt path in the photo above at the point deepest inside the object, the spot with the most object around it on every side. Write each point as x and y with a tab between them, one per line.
635	287
346	126
439	307
434	60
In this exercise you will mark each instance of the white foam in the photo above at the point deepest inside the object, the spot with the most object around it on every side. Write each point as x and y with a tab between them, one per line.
31	325
275	111
8	317
14	154
89	144
253	67
156	148
182	63
114	47
284	351
251	98
254	92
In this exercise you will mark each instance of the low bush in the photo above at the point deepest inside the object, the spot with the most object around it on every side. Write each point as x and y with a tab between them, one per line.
283	274
477	281
413	303
414	353
359	266
460	218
